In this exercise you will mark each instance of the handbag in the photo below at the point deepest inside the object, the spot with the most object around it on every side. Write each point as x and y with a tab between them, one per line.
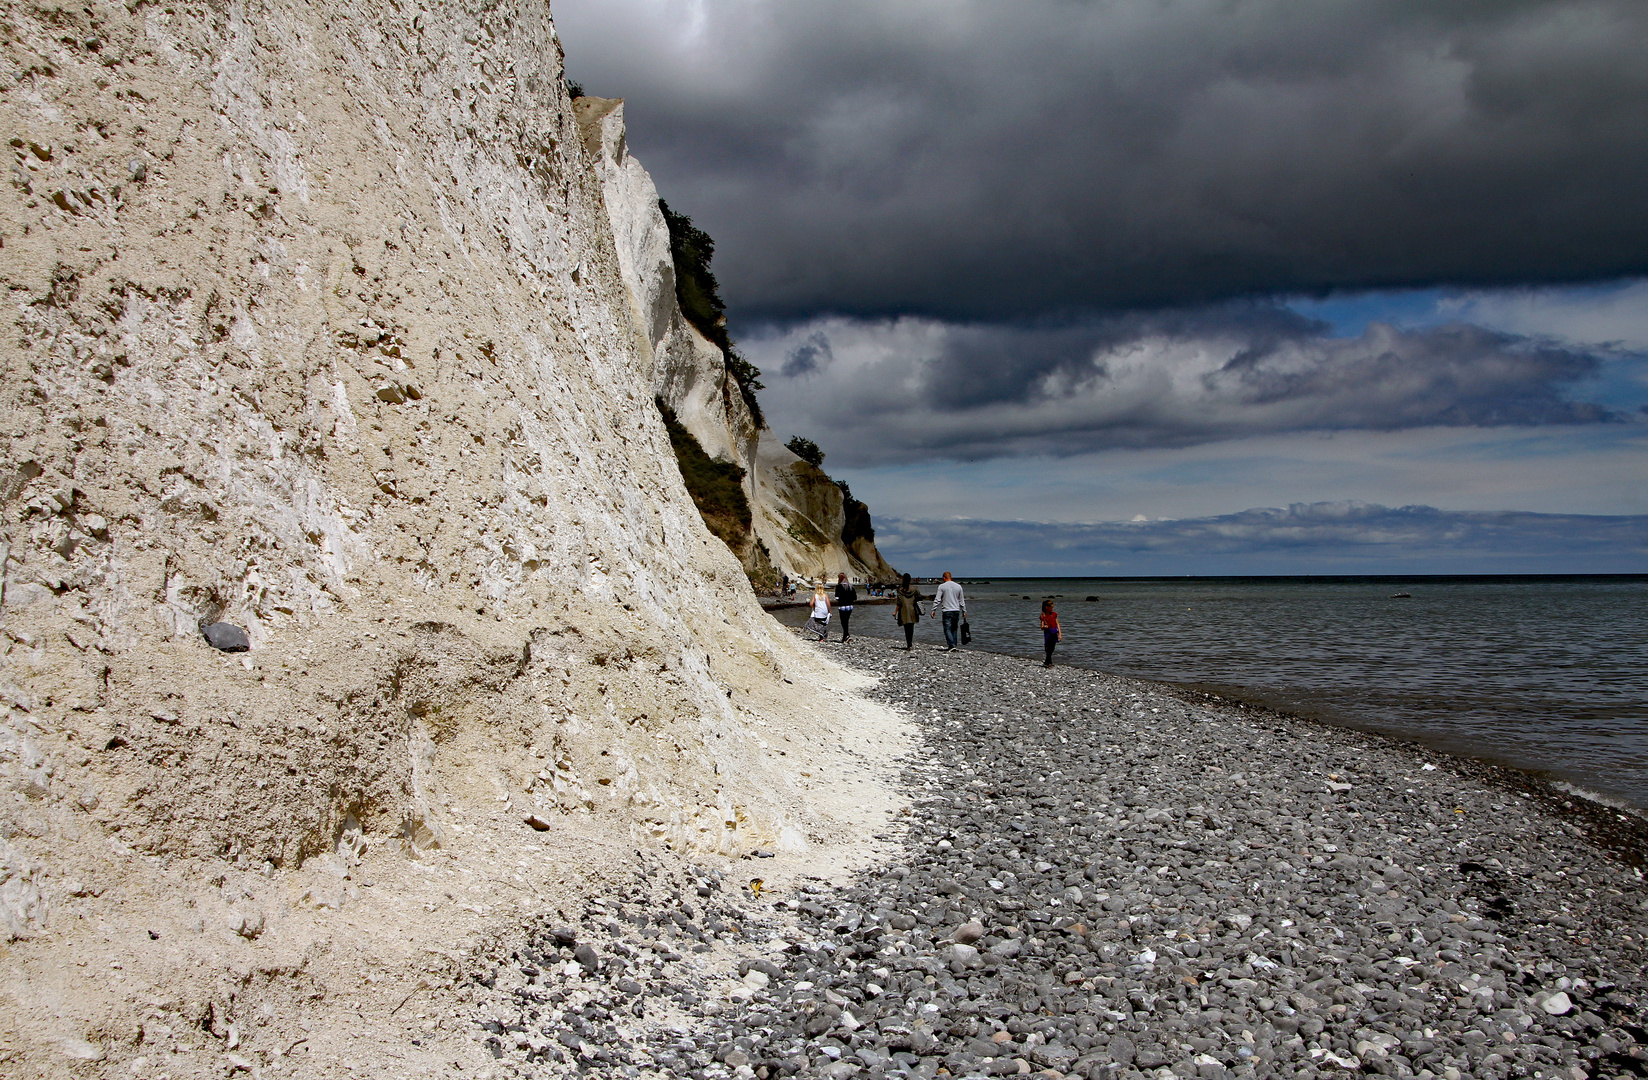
966	633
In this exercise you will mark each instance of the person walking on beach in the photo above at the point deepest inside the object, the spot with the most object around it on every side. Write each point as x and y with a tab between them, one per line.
909	611
845	597
1051	633
950	602
819	624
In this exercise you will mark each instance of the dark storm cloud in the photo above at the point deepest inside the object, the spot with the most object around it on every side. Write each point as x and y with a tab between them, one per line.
921	389
806	357
1344	537
982	161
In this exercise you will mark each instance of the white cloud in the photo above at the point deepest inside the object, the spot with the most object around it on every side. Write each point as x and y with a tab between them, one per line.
1590	470
1613	315
1326	537
876	391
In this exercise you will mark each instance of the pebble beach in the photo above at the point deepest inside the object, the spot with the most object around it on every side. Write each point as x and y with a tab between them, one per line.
1104	877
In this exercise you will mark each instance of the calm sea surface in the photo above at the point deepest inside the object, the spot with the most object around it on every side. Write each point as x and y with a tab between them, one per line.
1547	674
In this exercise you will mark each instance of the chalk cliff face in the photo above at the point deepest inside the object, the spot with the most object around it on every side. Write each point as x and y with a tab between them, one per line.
797	512
317	325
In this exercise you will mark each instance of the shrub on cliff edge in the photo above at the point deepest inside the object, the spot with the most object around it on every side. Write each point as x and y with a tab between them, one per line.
806	450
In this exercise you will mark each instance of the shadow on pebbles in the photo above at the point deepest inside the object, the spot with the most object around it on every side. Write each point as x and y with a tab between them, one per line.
1109	878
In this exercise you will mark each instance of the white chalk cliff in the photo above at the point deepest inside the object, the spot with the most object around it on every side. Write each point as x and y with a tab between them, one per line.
797	511
318	324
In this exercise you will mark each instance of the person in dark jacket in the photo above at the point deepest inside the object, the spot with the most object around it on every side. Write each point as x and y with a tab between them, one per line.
908	611
845	597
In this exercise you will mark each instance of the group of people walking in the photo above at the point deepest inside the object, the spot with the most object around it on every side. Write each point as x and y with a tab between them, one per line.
949	604
846	598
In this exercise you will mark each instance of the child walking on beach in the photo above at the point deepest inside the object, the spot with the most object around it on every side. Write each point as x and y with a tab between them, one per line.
1050	631
819	624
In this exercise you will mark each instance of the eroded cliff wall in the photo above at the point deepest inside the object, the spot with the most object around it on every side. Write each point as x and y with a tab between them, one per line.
316	325
796	511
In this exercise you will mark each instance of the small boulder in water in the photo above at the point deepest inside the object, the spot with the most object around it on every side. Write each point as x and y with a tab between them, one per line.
226	636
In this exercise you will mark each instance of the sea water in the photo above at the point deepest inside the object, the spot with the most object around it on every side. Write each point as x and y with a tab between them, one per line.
1545	674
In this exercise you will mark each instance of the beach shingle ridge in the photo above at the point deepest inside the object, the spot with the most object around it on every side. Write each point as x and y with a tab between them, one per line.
1105	877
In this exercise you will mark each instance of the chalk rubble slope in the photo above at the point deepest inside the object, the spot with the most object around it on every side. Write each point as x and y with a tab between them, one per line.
797	511
318	327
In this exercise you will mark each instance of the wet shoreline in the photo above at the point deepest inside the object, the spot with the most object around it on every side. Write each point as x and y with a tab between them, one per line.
1600	755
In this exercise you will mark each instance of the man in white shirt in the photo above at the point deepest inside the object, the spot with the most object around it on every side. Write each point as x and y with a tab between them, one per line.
950	602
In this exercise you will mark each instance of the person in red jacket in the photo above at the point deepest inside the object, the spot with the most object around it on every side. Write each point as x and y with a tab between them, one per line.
1050	632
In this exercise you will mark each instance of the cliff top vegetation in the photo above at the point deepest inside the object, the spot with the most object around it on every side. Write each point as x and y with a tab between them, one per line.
699	295
806	450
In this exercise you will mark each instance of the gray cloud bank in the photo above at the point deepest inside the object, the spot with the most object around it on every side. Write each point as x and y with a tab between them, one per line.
973	160
900	390
1336	537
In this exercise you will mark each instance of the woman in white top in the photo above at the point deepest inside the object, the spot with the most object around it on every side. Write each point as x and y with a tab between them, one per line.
819	624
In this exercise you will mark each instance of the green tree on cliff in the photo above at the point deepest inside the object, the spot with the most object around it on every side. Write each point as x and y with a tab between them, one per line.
699	295
806	450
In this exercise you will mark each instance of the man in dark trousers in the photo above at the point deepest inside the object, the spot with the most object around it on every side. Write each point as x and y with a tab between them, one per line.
951	603
845	597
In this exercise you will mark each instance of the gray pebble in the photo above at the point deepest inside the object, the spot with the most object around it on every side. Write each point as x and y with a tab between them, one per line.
226	637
